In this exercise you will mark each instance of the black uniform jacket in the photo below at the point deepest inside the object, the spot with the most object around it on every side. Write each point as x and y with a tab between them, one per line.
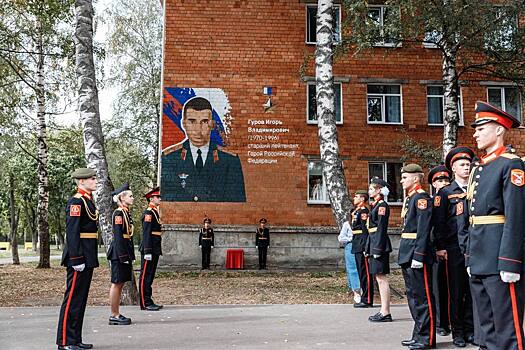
81	232
449	215
378	241
206	237
121	247
151	232
262	237
417	224
496	191
359	229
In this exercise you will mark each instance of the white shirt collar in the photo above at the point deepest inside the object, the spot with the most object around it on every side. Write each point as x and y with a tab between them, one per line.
204	152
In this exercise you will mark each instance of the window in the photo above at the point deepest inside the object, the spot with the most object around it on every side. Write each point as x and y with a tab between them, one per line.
436	105
312	103
391	173
431	39
384	104
382	17
311	24
317	193
507	99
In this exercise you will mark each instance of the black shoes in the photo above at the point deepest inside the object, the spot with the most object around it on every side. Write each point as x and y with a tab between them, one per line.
379	317
85	346
470	339
68	347
408	342
119	321
459	342
443	331
363	305
152	307
418	346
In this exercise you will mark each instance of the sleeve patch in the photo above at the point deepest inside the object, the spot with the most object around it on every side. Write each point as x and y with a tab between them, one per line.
364	216
74	210
422	204
382	211
437	201
459	208
118	220
147	218
517	177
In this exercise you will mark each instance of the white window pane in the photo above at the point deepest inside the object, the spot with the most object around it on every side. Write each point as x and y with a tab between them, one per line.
316	184
338	114
374	109
312	103
435	90
311	25
375	170
513	102
435	110
393	177
393	109
495	97
374	13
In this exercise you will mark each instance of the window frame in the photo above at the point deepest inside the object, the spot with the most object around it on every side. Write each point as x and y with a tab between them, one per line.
461	117
382	17
384	164
383	104
313	201
337	25
316	122
503	98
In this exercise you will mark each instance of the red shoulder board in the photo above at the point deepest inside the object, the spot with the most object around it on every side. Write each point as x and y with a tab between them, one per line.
74	210
147	218
364	216
118	220
459	208
437	201
382	211
422	204
517	177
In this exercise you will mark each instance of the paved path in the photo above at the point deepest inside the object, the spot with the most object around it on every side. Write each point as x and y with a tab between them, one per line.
26	259
217	327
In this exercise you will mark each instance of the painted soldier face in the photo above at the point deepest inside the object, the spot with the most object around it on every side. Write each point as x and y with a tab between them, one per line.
155	200
206	224
439	184
409	180
126	198
461	168
486	135
198	126
88	184
358	199
372	192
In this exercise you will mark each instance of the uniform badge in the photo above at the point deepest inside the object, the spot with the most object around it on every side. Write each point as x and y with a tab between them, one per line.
422	204
74	210
364	216
437	201
118	220
382	211
517	177
215	156
183	177
459	208
147	218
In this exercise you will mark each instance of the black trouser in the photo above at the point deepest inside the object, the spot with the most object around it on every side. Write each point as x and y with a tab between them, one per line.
500	310
147	274
73	308
418	284
263	251
206	252
459	297
365	278
443	297
479	337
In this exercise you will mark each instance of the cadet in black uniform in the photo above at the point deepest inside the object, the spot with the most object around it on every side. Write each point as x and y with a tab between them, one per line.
495	256
262	242
416	258
206	242
378	245
360	236
150	249
449	220
80	256
439	177
121	252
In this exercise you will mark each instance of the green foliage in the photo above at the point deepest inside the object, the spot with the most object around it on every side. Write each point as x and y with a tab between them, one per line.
424	153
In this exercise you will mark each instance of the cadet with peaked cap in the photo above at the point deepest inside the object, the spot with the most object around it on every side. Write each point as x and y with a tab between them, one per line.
360	236
121	252
150	249
80	256
495	255
378	246
262	242
416	258
439	177
449	218
206	242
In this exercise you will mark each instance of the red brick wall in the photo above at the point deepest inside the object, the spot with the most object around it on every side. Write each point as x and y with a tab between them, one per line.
242	46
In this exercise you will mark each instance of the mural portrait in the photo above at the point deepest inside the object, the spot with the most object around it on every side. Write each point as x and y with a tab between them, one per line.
194	164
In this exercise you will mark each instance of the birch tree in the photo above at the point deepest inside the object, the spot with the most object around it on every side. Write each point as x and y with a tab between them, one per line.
329	148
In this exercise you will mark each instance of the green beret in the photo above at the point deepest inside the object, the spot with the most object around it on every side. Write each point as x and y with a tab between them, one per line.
83	173
362	192
412	169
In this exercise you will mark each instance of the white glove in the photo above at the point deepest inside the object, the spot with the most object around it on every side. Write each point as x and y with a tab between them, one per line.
416	264
376	256
509	277
468	271
126	262
200	246
147	257
79	268
256	246
212	246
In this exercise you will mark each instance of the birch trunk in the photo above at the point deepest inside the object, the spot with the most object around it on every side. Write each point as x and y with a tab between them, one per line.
329	148
92	127
42	155
450	101
13	220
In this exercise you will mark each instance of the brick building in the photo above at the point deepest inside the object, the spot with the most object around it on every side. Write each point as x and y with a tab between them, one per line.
229	51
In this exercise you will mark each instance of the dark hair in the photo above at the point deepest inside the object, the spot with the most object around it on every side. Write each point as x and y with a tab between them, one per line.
365	196
197	104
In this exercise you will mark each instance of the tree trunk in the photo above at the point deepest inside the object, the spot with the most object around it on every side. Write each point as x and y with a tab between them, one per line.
31	220
43	190
13	220
329	148
92	127
450	101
